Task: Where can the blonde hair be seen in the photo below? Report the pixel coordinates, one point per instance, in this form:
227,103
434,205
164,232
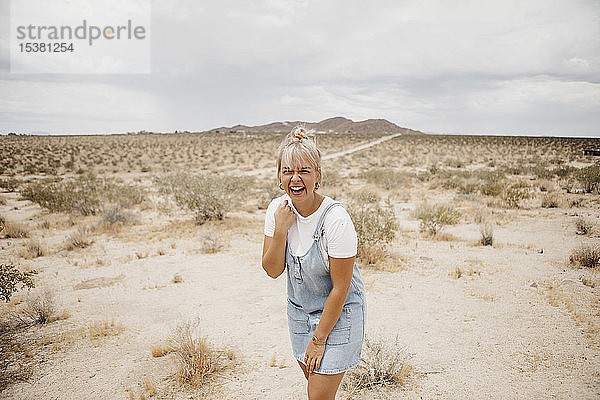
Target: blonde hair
298,144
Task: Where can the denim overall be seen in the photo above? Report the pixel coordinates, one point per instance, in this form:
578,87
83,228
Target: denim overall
308,286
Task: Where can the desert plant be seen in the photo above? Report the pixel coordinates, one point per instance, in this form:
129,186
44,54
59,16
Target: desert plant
551,200
2,222
586,255
383,362
375,227
487,234
385,178
10,184
514,193
15,230
40,307
435,217
212,241
79,239
11,280
210,197
197,360
584,226
589,178
2,201
34,248
116,215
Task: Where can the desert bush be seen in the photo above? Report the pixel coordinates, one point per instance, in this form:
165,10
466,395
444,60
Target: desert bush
15,230
81,238
491,187
383,363
584,226
513,193
34,248
116,215
551,200
385,178
589,178
10,184
375,227
210,197
212,241
11,280
2,222
586,255
86,195
2,201
197,360
267,192
332,178
487,234
40,308
435,217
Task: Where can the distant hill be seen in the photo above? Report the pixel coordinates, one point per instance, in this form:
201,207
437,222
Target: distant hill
330,125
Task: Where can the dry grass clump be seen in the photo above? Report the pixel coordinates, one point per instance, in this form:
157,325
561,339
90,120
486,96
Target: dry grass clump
209,196
586,255
98,329
383,363
197,360
2,201
514,193
435,217
551,200
212,241
589,178
81,238
486,230
161,349
584,226
386,178
116,217
2,222
34,249
15,230
375,226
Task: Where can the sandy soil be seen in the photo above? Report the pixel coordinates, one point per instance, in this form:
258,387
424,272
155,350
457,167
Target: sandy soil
519,322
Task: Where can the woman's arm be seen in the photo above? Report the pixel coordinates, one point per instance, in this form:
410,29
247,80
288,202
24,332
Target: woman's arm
340,270
273,254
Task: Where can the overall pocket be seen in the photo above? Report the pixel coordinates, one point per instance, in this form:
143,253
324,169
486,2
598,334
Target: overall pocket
297,319
340,334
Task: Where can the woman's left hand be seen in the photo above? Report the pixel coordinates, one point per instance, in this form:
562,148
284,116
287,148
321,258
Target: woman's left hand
313,357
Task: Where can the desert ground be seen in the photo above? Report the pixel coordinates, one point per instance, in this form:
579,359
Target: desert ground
480,257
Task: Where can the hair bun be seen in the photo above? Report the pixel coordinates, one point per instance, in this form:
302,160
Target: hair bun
299,132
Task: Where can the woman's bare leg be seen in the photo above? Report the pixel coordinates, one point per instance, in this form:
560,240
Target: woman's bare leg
323,387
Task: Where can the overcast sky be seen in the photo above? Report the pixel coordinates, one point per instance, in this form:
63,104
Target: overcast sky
460,67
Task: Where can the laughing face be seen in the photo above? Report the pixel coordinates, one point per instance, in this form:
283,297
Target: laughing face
299,181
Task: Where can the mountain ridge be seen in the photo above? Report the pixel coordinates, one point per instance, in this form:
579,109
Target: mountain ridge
329,125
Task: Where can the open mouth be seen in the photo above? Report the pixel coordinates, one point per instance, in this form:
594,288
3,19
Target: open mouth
297,190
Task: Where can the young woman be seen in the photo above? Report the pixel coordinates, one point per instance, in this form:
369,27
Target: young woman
312,238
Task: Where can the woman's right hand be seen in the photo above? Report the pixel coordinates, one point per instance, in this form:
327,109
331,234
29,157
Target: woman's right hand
284,217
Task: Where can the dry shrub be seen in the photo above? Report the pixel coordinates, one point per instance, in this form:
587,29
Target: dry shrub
86,195
515,192
589,178
40,308
385,178
209,196
198,361
375,227
383,363
584,226
213,241
15,230
586,255
435,217
486,230
81,238
267,192
161,349
116,216
34,249
2,221
2,201
551,200
98,329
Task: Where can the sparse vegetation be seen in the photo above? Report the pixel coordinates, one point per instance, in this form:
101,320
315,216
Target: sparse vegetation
551,200
486,230
584,226
434,217
589,178
15,230
198,361
375,227
212,241
34,248
81,238
383,363
586,255
11,280
210,197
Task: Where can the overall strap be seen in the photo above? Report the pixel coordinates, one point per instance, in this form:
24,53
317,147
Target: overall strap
319,230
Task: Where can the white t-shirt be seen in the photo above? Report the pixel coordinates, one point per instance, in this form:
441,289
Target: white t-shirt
339,240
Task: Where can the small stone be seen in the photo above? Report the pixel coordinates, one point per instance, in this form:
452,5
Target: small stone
534,285
541,251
